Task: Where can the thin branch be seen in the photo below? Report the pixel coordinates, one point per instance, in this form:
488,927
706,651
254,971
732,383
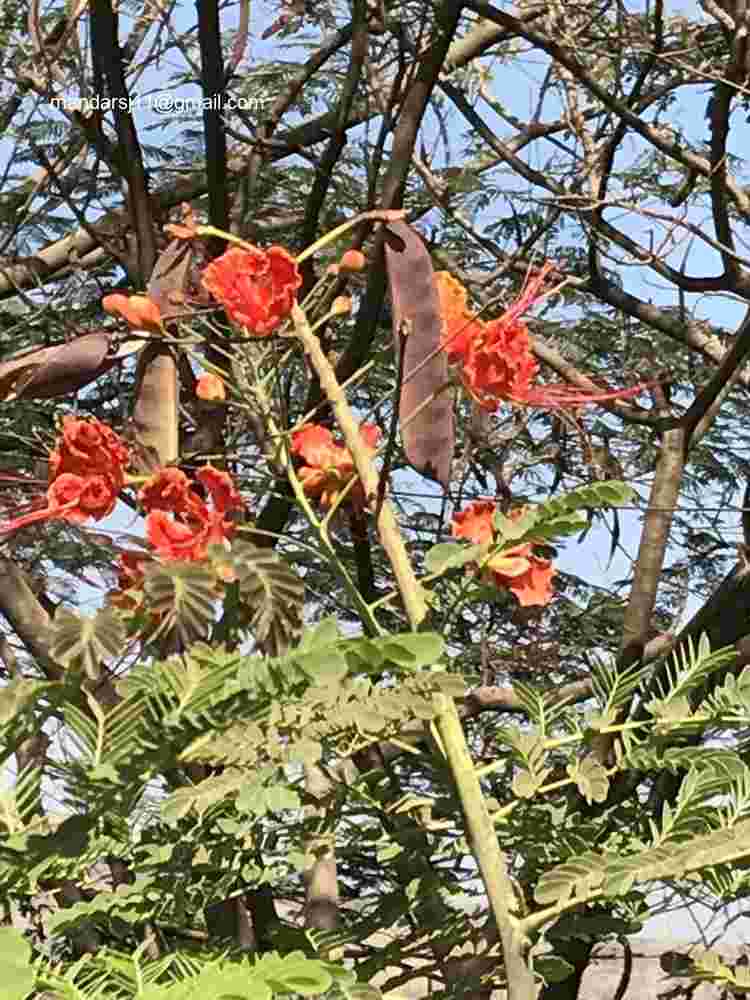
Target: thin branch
214,136
108,59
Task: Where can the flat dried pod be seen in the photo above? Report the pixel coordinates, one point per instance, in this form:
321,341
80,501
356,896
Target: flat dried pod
44,372
156,413
426,427
170,277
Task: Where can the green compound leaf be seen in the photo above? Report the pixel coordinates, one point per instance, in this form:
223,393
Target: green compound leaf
184,595
77,641
271,591
15,961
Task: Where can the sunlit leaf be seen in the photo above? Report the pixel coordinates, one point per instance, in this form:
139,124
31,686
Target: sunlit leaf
552,968
183,595
86,642
15,961
451,555
591,778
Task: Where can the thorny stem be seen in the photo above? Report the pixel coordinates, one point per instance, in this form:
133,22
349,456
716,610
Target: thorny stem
486,850
412,592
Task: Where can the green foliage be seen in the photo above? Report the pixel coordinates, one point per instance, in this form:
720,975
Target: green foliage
270,589
613,688
86,643
195,790
530,753
591,779
689,669
17,804
554,519
552,968
183,595
15,961
450,555
181,977
561,516
253,725
705,966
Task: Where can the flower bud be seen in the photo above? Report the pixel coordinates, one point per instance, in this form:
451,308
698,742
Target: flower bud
210,387
353,260
139,311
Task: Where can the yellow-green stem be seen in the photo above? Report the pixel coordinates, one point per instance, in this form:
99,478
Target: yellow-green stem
486,850
412,593
320,526
377,215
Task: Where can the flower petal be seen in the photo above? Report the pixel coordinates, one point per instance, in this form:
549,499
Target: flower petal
256,287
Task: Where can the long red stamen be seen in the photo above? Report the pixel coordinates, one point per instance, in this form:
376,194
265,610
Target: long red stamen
559,395
46,514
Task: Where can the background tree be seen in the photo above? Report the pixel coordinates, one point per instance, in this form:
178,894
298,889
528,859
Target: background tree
622,165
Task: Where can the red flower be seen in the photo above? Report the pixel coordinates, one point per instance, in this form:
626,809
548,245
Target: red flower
131,570
86,473
130,574
129,597
499,364
460,326
328,467
89,447
82,497
174,539
169,492
496,358
139,311
256,287
517,568
170,489
221,489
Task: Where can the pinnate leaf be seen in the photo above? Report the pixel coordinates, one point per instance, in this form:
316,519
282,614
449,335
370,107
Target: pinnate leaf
591,778
15,961
272,590
184,595
86,642
451,555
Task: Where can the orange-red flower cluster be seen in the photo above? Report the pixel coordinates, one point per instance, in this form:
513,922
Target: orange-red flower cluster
86,473
256,287
328,467
526,575
495,358
169,495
